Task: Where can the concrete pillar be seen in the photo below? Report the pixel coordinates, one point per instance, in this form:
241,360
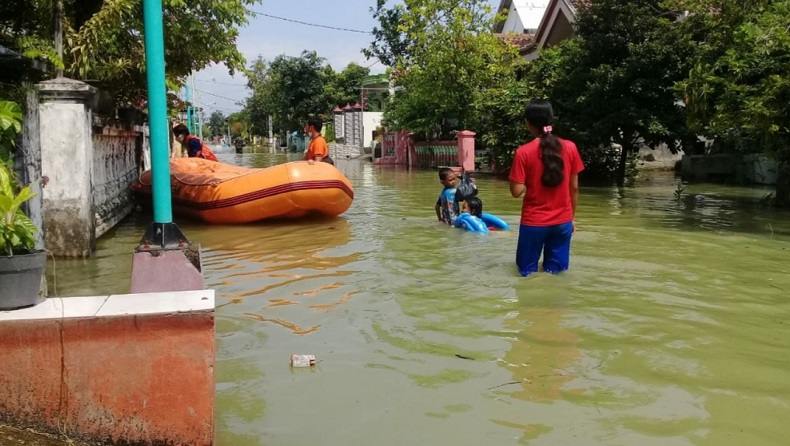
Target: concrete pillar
337,114
466,150
357,125
29,159
67,162
347,124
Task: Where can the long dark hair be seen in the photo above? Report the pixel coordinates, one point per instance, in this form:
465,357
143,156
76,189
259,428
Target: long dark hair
540,114
475,206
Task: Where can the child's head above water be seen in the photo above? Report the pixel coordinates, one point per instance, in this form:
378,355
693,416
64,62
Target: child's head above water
447,177
474,206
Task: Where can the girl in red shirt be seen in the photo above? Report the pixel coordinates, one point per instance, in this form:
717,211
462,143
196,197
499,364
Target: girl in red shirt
546,172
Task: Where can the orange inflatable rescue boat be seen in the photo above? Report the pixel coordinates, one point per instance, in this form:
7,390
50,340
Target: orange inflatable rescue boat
220,193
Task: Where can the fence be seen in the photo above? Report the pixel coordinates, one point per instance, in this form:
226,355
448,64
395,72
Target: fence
432,154
398,148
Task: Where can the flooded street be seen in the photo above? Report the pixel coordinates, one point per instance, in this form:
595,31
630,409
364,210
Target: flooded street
670,329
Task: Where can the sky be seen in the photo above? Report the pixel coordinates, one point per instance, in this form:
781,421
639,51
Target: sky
270,37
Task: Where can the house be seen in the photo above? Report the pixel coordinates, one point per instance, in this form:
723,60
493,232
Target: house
532,25
521,24
523,16
376,91
555,26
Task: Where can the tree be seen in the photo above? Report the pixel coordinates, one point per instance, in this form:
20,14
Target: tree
452,60
738,91
290,89
390,43
238,123
614,82
104,39
344,87
257,106
216,123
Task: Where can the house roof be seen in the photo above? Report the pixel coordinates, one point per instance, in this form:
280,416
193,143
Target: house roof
529,12
520,41
555,7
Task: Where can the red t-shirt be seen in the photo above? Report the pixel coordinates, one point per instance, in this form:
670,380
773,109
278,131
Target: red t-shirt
544,206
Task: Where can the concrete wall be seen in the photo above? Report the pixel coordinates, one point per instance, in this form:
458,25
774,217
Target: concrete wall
129,369
67,161
87,164
337,120
116,154
370,121
348,127
28,164
343,151
729,167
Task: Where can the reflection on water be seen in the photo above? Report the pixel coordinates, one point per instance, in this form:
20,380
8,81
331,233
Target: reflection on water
670,328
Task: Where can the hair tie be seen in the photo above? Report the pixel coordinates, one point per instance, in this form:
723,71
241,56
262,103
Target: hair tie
547,129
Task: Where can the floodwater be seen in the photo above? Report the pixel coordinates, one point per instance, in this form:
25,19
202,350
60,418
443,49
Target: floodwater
670,329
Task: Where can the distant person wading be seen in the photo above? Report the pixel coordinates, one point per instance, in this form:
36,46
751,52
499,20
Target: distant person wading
546,172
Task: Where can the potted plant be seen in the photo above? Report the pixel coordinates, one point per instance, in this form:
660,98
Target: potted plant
21,265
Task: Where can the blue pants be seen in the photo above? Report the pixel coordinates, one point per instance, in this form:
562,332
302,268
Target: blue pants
553,241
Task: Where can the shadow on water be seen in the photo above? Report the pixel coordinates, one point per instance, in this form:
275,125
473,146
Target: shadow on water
700,207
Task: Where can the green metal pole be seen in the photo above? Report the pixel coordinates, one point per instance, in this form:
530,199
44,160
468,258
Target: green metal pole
157,110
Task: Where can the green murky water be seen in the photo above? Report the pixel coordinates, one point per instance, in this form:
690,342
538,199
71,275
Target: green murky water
670,329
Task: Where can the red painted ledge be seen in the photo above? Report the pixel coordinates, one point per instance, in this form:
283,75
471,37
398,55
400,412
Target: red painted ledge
133,369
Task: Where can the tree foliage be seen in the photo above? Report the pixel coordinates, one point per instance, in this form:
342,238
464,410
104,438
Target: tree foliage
104,39
290,89
452,62
344,87
216,123
614,82
738,91
390,42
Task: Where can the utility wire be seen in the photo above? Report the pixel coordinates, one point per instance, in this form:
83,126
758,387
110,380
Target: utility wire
218,96
221,83
311,24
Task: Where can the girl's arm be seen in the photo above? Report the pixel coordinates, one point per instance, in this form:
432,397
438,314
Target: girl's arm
574,186
517,189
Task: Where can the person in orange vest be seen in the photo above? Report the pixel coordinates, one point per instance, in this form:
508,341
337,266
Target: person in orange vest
318,150
195,147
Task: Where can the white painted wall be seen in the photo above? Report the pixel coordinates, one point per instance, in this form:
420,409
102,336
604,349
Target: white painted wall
513,23
370,121
524,15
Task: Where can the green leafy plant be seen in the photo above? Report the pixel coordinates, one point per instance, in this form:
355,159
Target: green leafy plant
10,127
17,231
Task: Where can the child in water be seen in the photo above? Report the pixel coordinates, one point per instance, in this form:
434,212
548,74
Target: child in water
474,206
446,210
471,216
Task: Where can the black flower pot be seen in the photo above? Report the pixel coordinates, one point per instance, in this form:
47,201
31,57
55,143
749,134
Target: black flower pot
20,279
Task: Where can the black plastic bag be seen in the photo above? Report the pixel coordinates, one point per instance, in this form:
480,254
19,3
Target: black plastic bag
466,189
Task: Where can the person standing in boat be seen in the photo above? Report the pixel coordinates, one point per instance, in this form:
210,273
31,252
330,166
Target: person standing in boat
546,172
318,150
195,147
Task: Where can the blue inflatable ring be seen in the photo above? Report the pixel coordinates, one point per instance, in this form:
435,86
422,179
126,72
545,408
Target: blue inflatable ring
492,221
475,224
